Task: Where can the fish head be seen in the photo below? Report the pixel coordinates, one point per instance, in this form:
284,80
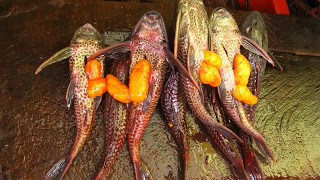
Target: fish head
222,21
86,32
254,28
151,27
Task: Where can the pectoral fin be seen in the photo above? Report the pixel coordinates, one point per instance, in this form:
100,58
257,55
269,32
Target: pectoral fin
180,66
177,34
190,64
70,92
277,64
58,56
97,101
253,47
112,50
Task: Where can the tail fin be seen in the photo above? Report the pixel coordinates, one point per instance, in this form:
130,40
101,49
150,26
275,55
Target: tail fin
261,144
59,168
141,170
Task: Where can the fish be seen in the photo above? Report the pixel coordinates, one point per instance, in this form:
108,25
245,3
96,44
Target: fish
191,38
148,41
115,117
253,27
220,142
174,109
226,40
85,42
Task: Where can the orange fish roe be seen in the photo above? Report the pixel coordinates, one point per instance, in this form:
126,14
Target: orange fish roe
93,69
206,73
209,73
212,58
241,69
117,89
139,81
97,86
217,79
242,93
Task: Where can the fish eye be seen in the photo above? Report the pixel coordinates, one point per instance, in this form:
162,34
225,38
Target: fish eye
249,29
255,22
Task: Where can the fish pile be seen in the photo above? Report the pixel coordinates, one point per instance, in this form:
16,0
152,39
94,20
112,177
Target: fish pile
206,72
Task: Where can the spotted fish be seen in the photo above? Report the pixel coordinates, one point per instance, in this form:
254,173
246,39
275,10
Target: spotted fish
225,41
148,41
253,27
115,117
85,42
174,109
220,142
191,38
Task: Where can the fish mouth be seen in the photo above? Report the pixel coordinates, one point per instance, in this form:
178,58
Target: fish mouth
221,12
87,31
152,21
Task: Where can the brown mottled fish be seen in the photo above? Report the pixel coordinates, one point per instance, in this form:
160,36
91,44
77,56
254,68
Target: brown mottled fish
225,41
174,109
253,27
148,41
191,38
85,42
220,142
115,116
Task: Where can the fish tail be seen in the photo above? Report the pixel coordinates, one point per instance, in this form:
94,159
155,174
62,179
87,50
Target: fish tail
251,165
59,168
141,170
262,145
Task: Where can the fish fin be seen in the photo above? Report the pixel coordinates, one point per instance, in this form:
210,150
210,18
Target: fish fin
122,47
190,63
251,164
59,168
58,56
176,37
263,147
70,92
180,66
253,47
226,132
142,171
97,101
277,64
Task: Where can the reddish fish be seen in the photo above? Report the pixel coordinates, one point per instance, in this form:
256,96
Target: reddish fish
149,41
174,109
86,41
220,142
115,116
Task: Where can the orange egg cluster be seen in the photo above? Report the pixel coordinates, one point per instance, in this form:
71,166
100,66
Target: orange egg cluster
138,84
209,73
241,70
117,89
139,81
97,85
